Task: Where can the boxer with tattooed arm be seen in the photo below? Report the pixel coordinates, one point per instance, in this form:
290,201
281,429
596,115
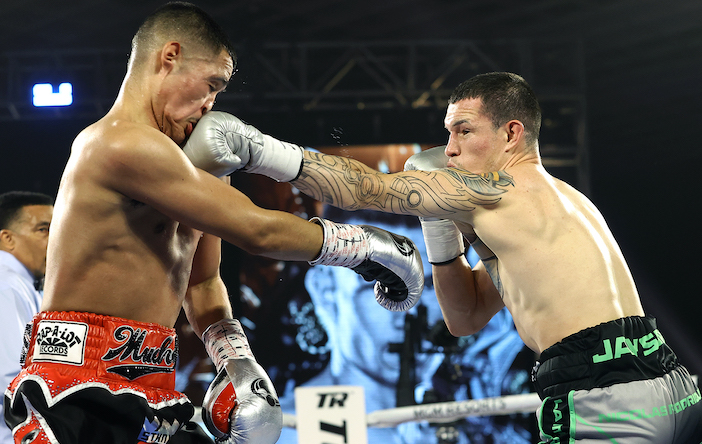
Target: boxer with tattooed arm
604,371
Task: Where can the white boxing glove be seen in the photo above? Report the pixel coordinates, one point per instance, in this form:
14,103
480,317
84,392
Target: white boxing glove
259,153
443,239
210,146
241,405
392,260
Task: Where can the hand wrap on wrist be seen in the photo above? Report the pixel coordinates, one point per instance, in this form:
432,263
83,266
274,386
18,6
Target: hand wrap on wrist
443,239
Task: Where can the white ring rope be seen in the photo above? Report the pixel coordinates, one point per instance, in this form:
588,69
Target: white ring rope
440,411
445,411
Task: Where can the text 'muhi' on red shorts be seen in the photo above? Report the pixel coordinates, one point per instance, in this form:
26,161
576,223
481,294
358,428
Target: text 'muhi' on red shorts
95,378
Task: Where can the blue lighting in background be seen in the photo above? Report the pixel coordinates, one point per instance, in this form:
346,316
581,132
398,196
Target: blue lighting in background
43,94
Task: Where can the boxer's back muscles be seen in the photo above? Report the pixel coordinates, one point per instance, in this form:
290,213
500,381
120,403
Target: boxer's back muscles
557,261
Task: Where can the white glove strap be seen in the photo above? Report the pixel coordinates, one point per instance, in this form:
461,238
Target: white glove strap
279,160
444,241
226,340
344,245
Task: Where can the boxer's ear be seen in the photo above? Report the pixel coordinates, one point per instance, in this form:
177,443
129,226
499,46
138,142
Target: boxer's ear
514,133
171,54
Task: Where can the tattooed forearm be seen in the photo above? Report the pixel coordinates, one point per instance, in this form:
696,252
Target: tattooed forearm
331,179
349,184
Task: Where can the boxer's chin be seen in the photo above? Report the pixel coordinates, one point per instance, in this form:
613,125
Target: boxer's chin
187,131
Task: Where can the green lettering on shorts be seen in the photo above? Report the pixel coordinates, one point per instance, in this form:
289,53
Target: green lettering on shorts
562,429
664,410
644,345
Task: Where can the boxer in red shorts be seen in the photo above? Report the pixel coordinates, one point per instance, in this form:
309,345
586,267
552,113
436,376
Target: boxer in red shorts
124,369
136,237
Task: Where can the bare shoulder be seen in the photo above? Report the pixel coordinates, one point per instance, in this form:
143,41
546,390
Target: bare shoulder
121,143
128,156
495,189
530,181
488,186
517,195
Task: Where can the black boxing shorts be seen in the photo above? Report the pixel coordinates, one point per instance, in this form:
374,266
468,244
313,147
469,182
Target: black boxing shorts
88,378
616,382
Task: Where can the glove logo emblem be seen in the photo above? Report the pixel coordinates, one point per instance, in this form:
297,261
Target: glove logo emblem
260,388
404,247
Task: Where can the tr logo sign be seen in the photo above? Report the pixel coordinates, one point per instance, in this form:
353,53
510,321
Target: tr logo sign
331,415
332,399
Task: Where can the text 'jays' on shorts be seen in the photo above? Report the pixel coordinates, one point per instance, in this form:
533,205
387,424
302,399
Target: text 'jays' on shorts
618,382
89,378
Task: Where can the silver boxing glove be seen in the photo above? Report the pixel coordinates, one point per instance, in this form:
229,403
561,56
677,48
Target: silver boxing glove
428,160
212,146
230,138
376,254
443,240
241,405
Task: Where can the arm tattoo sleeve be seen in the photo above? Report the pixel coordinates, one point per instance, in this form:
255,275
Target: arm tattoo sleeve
349,184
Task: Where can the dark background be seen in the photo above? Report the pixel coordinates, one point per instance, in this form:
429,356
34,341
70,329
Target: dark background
641,67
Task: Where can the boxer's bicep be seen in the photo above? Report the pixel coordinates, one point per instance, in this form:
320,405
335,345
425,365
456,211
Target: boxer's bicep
152,170
488,287
158,174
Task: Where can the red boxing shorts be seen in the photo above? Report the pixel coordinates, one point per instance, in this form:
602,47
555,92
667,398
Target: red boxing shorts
93,378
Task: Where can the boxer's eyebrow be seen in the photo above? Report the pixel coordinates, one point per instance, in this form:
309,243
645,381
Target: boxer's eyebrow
457,123
221,82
